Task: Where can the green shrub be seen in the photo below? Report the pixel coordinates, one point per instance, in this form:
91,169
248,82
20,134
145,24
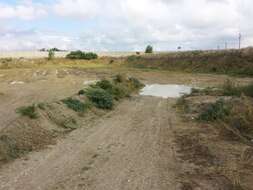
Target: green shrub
81,92
29,111
215,111
81,55
100,97
117,90
42,106
104,84
76,105
120,78
135,83
120,91
149,49
51,54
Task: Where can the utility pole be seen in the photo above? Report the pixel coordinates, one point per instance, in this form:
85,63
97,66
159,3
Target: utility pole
226,45
240,38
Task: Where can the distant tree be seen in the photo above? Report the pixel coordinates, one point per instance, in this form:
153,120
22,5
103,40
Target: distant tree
149,49
43,49
51,54
81,55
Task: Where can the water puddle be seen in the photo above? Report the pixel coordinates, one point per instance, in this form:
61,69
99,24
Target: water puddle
165,91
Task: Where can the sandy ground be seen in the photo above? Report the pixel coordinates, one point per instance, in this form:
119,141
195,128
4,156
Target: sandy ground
133,147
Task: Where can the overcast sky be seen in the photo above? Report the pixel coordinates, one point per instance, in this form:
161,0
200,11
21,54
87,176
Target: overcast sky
123,25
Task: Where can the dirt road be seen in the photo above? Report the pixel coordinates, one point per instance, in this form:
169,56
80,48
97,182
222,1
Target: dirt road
129,148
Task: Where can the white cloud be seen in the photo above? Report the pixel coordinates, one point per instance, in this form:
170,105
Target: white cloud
12,39
77,8
132,24
25,11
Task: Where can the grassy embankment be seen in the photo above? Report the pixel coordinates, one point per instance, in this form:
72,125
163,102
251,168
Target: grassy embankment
234,62
230,108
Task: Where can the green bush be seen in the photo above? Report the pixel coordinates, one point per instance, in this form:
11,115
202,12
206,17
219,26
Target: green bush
100,97
215,111
120,91
149,49
76,105
81,92
42,106
117,90
81,55
29,111
119,78
105,84
51,54
135,83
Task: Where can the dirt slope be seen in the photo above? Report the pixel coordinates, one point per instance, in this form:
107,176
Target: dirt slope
130,148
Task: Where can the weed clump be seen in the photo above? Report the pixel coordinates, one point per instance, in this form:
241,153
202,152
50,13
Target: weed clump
229,89
76,105
215,111
29,111
81,55
104,84
182,105
81,92
100,97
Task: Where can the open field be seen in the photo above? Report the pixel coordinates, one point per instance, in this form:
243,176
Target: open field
39,54
144,142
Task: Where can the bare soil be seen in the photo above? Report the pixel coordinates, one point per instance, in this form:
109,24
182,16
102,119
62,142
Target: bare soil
142,144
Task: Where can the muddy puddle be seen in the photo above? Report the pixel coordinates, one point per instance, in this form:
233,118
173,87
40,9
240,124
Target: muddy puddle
165,91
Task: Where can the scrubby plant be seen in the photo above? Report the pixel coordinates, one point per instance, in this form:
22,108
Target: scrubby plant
215,111
81,92
229,89
132,58
120,91
149,49
76,105
182,104
81,55
135,83
100,97
42,106
29,111
51,54
104,84
247,90
119,78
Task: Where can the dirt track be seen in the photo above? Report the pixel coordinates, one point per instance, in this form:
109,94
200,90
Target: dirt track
142,144
130,148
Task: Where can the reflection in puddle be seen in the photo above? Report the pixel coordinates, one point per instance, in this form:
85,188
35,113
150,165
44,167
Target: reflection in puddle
165,91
